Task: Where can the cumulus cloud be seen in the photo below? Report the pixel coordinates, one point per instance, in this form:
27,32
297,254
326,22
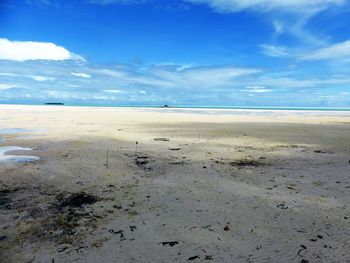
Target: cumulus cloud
28,50
274,51
81,75
337,51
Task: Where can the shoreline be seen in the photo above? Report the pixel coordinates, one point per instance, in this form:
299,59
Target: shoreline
183,107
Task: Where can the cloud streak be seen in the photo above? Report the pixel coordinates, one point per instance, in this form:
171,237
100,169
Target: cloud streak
299,6
336,51
274,51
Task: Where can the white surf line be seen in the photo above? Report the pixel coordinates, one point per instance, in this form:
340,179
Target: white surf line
16,158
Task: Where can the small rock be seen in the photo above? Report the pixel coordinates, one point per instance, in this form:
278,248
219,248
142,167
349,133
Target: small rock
208,257
282,206
161,139
169,243
193,258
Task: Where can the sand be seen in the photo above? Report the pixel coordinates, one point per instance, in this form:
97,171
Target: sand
198,186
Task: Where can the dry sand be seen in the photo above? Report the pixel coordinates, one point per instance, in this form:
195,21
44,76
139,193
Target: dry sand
215,185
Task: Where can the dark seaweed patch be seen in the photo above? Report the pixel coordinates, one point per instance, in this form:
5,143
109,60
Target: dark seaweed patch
76,199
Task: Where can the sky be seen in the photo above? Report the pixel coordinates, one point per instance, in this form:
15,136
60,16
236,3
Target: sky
290,53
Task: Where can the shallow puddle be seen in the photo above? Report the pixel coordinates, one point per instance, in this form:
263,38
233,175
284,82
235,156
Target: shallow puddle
14,130
16,158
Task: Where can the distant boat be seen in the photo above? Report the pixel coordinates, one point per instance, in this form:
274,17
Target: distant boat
165,106
54,103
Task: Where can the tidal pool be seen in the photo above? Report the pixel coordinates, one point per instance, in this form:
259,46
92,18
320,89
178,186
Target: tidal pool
16,158
14,130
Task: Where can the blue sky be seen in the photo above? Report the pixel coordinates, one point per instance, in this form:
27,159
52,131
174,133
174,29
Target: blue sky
176,52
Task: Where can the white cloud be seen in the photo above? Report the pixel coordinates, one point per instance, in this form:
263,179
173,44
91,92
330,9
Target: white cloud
81,75
28,50
301,6
113,91
337,51
41,78
286,16
7,86
106,2
278,26
274,51
202,77
256,89
34,77
286,82
33,2
6,74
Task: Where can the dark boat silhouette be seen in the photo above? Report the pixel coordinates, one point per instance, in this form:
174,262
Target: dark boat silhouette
54,103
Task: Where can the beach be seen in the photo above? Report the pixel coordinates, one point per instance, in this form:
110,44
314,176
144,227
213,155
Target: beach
174,185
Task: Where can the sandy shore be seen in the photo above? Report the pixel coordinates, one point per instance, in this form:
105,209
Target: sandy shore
199,186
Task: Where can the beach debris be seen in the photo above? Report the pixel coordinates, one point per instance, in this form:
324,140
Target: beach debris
304,261
282,206
302,248
193,258
208,227
107,159
132,228
169,243
208,257
321,151
61,249
119,232
227,227
161,139
177,162
141,160
76,199
136,144
174,149
246,162
2,238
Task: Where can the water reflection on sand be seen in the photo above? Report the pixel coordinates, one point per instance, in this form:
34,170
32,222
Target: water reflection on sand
16,158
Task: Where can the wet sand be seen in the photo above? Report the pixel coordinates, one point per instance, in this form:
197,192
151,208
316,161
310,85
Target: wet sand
198,186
